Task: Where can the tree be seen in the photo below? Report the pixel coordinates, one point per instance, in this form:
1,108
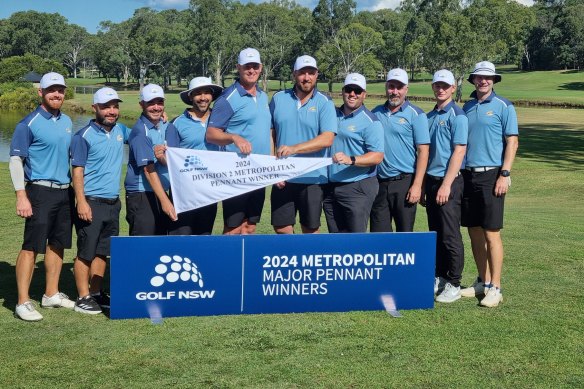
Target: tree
13,68
77,42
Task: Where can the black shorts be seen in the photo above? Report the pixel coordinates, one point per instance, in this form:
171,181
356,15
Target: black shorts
93,238
347,205
51,219
306,199
198,221
144,214
480,206
246,206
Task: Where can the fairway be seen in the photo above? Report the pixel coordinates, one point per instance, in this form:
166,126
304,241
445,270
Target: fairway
534,339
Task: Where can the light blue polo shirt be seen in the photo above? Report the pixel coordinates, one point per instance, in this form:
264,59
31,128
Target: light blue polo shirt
448,128
359,132
403,131
295,123
238,112
143,137
489,122
43,141
100,153
191,133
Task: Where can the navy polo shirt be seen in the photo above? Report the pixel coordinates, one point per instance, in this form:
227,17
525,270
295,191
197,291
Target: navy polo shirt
403,131
143,137
448,128
489,122
100,153
295,123
359,132
191,133
238,112
43,141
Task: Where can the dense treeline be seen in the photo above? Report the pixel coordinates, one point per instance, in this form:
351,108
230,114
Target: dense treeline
205,39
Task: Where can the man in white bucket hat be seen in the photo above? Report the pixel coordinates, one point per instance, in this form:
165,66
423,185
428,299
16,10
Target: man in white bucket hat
492,145
190,128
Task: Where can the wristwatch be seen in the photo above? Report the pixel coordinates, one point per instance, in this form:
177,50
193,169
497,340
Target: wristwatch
352,161
505,173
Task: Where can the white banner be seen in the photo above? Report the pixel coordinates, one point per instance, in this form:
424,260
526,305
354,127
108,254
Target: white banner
199,178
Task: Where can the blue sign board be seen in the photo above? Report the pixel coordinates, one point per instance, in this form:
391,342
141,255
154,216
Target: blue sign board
164,276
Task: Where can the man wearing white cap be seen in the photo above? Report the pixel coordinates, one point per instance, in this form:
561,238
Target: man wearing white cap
241,122
304,123
39,167
444,185
401,174
492,145
148,207
96,156
190,128
357,150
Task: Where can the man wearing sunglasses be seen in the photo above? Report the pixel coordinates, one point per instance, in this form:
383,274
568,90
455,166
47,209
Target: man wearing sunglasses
357,150
400,175
241,121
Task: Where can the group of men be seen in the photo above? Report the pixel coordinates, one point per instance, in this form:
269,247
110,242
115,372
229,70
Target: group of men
454,161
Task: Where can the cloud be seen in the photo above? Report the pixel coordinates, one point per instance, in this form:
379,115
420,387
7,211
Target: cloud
376,5
167,4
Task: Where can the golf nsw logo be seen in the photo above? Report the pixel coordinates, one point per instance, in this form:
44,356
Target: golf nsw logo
192,163
179,274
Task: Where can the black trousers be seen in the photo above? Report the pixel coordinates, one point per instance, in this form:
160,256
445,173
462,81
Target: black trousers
391,205
445,220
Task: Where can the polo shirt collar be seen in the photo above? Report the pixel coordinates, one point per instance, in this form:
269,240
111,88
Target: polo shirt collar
352,114
97,127
46,114
292,92
488,99
148,123
445,109
401,107
241,89
195,119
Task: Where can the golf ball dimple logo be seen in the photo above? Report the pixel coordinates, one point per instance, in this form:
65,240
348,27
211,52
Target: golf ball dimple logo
192,160
175,268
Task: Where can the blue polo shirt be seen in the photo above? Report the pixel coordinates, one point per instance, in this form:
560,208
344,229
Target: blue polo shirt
448,128
143,137
43,141
489,122
190,132
403,131
295,123
359,132
238,112
100,153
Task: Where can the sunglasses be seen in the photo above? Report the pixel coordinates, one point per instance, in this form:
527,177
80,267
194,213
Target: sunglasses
356,89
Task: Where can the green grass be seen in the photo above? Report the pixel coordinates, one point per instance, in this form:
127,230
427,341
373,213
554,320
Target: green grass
534,339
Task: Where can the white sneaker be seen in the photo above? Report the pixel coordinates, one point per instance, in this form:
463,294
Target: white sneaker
492,298
57,300
476,289
439,283
450,294
27,312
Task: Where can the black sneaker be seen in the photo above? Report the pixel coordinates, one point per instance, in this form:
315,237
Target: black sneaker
88,305
102,299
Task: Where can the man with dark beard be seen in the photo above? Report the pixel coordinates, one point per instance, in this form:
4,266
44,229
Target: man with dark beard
407,145
96,157
303,122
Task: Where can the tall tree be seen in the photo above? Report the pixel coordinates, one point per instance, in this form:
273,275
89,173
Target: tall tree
77,41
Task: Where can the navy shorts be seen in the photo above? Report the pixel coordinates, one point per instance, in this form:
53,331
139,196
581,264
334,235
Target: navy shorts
480,206
93,238
247,206
51,219
144,214
306,199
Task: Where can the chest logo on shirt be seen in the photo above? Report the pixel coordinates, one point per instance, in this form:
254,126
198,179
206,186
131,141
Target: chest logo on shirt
402,121
68,130
351,128
119,138
442,123
490,113
312,109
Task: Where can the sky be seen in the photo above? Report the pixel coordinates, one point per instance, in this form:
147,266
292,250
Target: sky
89,13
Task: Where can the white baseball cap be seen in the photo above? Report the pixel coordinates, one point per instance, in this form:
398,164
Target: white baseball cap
398,75
51,79
356,79
151,92
249,55
444,75
485,68
198,83
305,61
105,95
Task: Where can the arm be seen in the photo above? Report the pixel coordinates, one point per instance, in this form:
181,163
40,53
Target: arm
415,191
83,208
219,137
453,169
315,144
503,183
154,181
371,158
23,207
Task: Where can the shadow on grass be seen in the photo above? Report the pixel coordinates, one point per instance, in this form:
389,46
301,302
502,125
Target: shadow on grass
572,86
558,145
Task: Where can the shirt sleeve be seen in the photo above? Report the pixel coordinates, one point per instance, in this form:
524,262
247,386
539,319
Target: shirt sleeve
328,118
460,130
374,137
142,148
421,130
21,140
79,150
221,114
510,127
172,137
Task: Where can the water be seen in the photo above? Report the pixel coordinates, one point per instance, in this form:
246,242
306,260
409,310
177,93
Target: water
9,120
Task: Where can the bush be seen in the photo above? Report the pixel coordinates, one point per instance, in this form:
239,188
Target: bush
19,99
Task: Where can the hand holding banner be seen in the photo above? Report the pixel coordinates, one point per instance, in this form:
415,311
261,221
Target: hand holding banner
199,178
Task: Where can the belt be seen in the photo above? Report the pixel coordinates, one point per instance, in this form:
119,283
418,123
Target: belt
481,168
103,200
396,178
440,178
50,184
